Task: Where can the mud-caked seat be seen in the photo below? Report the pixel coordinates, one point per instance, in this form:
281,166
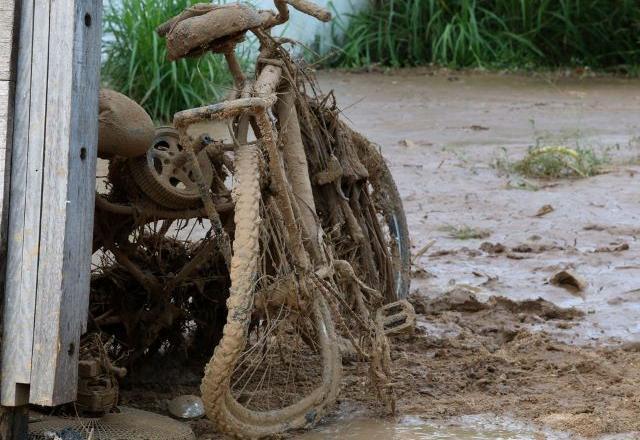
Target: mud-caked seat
205,27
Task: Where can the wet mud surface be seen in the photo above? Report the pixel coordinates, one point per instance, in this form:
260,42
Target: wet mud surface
442,135
495,335
500,351
473,357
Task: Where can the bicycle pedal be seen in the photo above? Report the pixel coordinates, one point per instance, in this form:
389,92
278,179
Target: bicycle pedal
396,318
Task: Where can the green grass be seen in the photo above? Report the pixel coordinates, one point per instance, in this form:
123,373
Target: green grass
465,232
555,155
135,62
491,33
553,162
560,162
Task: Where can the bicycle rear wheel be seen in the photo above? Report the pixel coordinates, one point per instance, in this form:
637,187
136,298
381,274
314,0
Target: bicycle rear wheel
385,217
358,201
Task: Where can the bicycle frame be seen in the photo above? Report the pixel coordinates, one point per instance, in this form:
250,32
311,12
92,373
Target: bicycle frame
288,165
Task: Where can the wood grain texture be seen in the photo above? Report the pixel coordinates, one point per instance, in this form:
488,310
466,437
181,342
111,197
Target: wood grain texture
67,199
7,26
26,190
7,89
16,354
52,197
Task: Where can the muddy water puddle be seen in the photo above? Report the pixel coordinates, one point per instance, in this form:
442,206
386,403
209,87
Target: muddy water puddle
475,427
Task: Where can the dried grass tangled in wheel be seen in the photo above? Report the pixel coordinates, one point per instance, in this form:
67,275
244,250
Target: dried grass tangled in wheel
365,225
357,199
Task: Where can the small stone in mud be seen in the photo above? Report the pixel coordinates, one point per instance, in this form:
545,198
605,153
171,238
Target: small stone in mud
594,227
613,248
460,299
443,252
544,210
470,252
407,143
523,248
535,248
421,273
186,407
569,280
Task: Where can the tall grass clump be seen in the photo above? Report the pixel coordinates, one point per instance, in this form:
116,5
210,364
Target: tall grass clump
135,60
491,33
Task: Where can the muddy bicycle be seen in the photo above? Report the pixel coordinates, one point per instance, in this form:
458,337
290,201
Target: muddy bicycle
263,226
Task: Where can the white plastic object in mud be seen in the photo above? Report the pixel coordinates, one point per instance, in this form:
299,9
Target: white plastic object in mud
128,424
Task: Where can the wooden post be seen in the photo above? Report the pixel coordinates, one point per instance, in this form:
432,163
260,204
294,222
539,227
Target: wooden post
55,133
13,421
68,199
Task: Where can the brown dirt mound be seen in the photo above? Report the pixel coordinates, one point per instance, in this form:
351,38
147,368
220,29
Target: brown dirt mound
493,362
461,299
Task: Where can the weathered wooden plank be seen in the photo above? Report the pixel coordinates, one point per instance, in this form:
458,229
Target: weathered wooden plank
7,89
13,421
8,16
19,305
38,114
6,128
7,20
67,199
5,136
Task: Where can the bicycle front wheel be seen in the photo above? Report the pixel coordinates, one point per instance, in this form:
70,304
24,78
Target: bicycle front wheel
277,366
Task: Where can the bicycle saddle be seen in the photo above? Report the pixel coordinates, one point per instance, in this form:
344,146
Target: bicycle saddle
205,27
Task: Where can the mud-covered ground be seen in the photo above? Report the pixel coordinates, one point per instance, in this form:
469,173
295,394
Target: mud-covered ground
495,338
568,360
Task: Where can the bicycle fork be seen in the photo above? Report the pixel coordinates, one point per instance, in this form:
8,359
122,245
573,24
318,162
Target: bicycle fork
289,167
289,170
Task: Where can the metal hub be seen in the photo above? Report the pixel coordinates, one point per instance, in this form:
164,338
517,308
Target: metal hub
165,176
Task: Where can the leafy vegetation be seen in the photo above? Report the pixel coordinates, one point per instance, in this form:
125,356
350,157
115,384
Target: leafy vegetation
135,61
491,33
557,162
